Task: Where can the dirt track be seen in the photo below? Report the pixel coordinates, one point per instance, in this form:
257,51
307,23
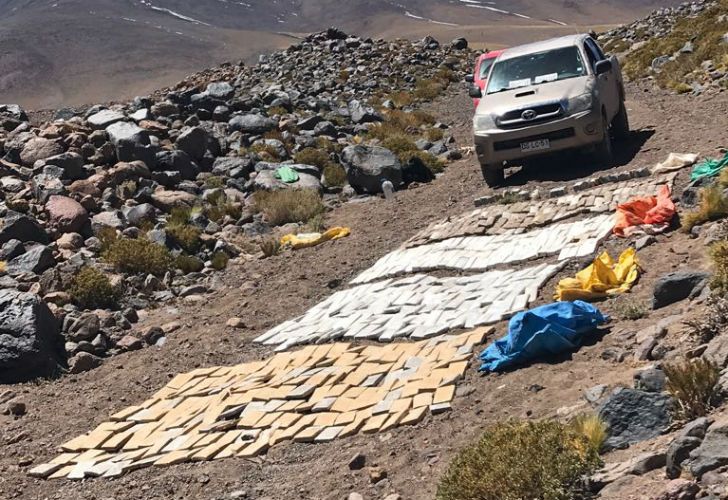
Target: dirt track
266,292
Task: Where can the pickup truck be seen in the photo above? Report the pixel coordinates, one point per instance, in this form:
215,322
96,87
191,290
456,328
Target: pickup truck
546,97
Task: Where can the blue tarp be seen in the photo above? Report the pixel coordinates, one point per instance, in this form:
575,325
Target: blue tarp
549,329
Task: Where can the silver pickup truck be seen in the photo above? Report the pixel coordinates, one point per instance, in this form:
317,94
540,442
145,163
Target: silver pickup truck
545,97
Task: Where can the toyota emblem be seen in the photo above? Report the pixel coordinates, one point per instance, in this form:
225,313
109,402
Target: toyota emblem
529,114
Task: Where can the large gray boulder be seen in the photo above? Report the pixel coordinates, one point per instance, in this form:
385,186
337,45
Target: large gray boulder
193,142
16,226
39,148
368,166
30,340
252,124
712,452
104,118
220,90
35,260
71,164
633,416
676,286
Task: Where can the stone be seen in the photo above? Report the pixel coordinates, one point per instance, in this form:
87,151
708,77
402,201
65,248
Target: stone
676,286
39,148
367,166
717,351
595,393
84,327
30,342
235,323
177,161
126,131
650,380
643,352
65,214
358,461
151,334
104,118
636,466
15,408
712,452
83,362
376,474
167,200
193,142
644,242
362,114
679,489
459,43
130,343
354,496
251,124
140,213
11,249
35,260
220,90
679,451
20,227
70,163
633,416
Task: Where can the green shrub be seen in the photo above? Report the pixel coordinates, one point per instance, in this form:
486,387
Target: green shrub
694,385
107,236
186,236
432,162
288,205
179,216
139,256
335,175
91,289
214,182
189,264
399,144
713,206
631,310
520,460
220,260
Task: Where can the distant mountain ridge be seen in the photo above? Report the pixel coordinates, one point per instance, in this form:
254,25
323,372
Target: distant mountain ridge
66,52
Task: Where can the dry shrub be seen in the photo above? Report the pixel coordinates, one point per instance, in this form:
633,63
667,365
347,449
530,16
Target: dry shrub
91,289
694,385
313,156
219,260
288,205
139,256
401,98
189,264
430,161
713,206
265,151
631,309
276,110
434,134
520,460
712,322
718,252
214,182
270,247
399,144
427,90
335,175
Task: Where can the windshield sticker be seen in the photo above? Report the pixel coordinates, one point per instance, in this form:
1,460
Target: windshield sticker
514,84
551,77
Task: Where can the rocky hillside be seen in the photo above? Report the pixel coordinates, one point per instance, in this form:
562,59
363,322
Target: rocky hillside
118,208
683,48
56,53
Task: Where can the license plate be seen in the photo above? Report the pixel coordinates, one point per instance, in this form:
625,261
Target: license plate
538,145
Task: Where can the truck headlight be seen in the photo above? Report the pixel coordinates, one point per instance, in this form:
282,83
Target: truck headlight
483,122
580,103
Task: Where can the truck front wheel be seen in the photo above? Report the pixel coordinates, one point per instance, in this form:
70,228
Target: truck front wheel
620,123
493,174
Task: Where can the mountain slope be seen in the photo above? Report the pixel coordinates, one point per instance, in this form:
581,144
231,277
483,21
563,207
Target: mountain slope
69,52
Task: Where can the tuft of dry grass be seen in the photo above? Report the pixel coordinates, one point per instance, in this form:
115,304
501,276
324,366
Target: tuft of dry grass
592,428
713,206
138,256
718,253
270,247
91,289
288,205
694,385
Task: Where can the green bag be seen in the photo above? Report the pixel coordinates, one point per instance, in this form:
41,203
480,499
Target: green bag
708,168
286,174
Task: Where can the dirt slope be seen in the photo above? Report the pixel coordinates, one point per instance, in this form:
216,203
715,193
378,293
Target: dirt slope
269,291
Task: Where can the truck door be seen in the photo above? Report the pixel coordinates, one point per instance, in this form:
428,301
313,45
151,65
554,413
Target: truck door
607,83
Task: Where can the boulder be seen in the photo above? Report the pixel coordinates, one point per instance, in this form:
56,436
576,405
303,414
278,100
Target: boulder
367,166
83,362
266,181
252,124
140,213
20,227
35,260
39,148
676,286
46,185
231,166
220,90
167,200
71,163
459,43
193,142
717,351
177,161
633,416
104,118
679,451
712,452
30,341
679,489
66,215
362,114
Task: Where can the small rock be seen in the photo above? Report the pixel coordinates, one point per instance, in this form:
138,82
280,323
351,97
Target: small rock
633,416
358,461
83,362
650,380
673,287
130,343
644,242
235,323
15,408
595,393
355,496
376,474
679,489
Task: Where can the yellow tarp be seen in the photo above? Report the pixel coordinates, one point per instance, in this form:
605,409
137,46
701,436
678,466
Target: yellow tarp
312,239
601,278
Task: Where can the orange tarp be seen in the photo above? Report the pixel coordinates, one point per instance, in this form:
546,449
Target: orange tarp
645,211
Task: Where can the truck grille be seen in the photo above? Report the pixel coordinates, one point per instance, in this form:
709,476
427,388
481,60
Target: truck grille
564,133
539,113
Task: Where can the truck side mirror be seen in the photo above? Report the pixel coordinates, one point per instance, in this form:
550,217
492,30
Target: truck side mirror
475,92
469,78
602,67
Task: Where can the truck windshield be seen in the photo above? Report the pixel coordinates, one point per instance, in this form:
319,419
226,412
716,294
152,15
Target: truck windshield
537,68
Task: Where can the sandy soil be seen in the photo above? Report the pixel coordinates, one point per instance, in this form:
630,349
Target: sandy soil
265,292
